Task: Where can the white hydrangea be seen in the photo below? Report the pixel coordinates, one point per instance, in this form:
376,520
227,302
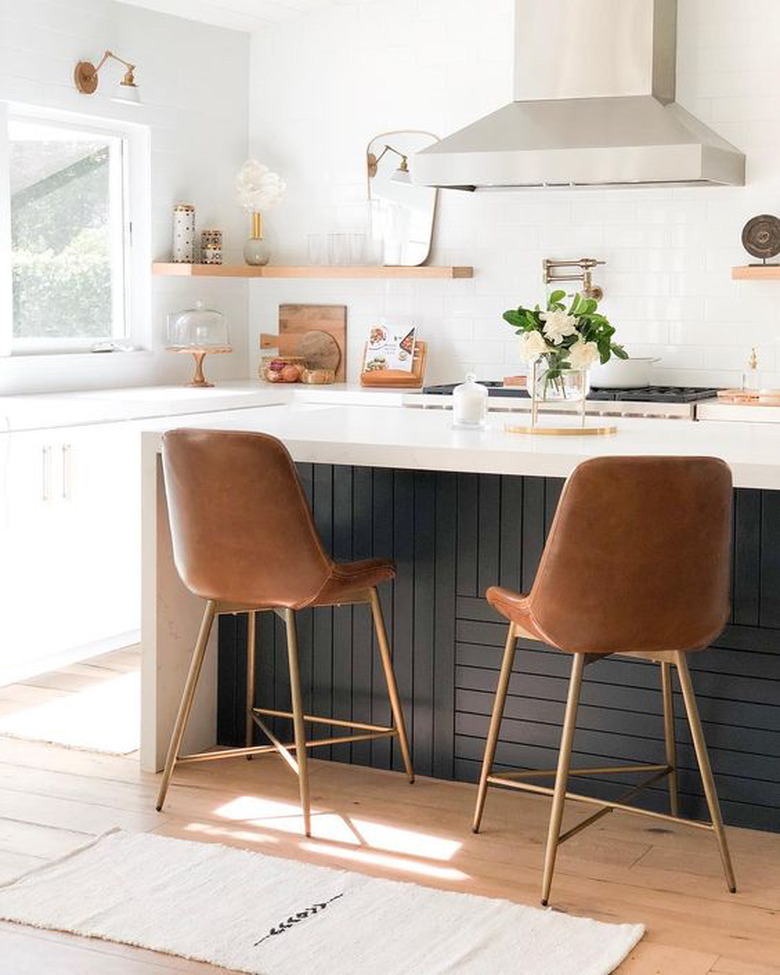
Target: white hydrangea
257,187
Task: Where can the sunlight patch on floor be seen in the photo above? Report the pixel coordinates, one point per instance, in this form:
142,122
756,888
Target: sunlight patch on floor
387,862
286,817
103,717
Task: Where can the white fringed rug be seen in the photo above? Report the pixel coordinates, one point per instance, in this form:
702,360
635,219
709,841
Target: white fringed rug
268,916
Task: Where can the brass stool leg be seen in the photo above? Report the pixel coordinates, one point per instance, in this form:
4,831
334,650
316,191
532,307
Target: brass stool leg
392,687
298,724
187,697
562,774
495,724
251,631
669,736
705,770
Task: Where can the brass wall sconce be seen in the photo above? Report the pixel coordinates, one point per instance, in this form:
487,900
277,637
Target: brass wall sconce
85,77
401,175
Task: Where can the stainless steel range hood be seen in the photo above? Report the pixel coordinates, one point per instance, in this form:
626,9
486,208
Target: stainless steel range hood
594,106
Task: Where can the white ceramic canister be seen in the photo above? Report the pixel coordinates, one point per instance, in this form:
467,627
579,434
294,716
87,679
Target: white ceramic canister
470,404
183,234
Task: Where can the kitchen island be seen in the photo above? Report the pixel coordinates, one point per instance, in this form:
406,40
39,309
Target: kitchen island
459,511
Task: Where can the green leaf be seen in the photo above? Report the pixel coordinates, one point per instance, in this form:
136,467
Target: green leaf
555,299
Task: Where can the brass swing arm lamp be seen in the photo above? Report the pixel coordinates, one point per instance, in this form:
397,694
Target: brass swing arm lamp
85,74
374,160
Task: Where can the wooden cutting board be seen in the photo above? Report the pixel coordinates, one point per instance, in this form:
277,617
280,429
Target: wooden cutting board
297,323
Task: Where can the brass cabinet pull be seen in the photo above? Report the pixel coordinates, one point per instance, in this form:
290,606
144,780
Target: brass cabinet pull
67,470
46,474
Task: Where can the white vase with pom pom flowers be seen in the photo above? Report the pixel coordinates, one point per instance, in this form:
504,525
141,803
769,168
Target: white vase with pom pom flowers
258,189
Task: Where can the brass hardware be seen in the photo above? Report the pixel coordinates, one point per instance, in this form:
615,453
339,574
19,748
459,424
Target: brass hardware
560,793
336,722
85,74
495,722
294,754
585,275
187,697
703,760
562,775
562,431
535,429
251,655
670,743
372,160
392,687
298,727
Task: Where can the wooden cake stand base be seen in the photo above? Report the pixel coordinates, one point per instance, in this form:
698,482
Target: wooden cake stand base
198,378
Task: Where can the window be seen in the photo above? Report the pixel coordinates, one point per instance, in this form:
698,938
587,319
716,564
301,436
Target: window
71,256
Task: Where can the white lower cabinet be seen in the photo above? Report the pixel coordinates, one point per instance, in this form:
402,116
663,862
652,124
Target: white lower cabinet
70,541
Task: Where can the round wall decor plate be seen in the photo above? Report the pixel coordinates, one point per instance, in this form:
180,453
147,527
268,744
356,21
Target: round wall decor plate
761,236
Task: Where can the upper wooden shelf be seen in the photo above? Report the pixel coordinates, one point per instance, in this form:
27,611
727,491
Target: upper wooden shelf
318,271
756,272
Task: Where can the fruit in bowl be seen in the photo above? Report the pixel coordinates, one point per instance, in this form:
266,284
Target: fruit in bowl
282,368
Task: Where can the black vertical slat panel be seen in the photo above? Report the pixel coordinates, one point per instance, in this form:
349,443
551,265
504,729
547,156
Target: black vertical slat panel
511,540
747,555
770,559
341,671
444,622
321,625
382,515
621,707
468,514
424,619
227,710
362,649
552,494
533,527
488,532
403,597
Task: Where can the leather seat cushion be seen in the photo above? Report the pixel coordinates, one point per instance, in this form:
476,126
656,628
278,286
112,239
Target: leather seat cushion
349,578
516,607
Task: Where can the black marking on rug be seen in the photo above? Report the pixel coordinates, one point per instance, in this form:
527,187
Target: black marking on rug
296,918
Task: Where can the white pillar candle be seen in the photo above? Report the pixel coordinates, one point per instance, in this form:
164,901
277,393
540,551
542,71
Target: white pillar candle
469,403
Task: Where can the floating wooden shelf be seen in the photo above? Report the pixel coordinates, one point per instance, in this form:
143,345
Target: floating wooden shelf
319,271
756,272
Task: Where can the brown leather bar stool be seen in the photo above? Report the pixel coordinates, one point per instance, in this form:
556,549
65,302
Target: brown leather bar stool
637,562
231,497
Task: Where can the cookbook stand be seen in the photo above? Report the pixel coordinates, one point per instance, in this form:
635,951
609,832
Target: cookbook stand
576,429
396,378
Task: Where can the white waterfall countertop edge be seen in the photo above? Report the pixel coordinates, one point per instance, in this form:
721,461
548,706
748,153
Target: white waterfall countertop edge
404,438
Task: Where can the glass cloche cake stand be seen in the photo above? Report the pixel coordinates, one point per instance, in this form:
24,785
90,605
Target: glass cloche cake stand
200,331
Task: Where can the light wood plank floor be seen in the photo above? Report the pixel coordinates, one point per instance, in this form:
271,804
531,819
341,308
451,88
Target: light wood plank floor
623,869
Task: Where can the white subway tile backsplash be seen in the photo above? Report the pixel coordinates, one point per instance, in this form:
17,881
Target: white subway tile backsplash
440,64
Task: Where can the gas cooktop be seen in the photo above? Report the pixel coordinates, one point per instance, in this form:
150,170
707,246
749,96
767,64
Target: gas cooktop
641,394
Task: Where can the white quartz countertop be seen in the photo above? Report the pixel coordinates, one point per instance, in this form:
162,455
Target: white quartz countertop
48,410
416,439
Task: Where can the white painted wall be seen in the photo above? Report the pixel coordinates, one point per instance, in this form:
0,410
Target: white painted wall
322,86
194,84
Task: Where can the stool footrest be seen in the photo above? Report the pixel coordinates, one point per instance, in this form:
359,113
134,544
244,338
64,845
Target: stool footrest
267,749
510,780
316,719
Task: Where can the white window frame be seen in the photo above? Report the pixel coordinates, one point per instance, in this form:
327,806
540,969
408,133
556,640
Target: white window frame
131,286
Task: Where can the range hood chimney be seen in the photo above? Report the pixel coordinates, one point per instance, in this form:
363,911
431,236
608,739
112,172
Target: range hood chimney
594,106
